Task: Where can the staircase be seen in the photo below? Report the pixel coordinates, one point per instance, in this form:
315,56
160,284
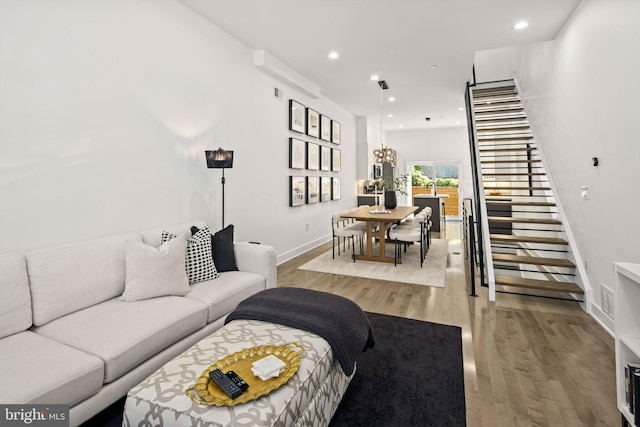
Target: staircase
529,250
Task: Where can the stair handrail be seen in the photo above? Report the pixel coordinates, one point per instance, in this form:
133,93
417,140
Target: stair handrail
484,248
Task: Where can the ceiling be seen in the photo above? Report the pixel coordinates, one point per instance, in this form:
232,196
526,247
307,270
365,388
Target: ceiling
423,49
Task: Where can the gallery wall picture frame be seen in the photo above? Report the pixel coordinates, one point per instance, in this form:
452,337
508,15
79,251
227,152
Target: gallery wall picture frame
325,128
313,156
297,153
325,188
335,188
297,190
313,189
325,158
297,117
336,132
336,160
313,123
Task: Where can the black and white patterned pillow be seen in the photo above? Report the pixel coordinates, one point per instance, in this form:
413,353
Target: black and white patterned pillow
198,260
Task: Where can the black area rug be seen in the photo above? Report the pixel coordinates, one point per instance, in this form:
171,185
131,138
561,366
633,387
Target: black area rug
412,377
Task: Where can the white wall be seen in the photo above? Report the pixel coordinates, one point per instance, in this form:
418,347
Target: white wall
581,93
106,109
442,144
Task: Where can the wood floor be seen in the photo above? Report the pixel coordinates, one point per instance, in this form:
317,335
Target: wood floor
528,361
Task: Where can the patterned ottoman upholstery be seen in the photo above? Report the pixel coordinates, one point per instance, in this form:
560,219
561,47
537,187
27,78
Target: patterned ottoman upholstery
309,398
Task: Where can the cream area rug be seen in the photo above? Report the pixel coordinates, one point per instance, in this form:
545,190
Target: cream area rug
432,272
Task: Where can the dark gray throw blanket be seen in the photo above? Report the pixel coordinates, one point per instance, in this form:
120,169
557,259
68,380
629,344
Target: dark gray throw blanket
338,320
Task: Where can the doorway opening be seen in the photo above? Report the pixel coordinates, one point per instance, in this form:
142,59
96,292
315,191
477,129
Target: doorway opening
438,178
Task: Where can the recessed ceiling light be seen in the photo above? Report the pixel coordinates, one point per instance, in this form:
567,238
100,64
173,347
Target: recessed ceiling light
521,25
401,126
458,122
334,55
461,109
433,67
390,115
374,77
391,99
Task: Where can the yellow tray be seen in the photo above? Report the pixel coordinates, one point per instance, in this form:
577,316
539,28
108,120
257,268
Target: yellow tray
208,393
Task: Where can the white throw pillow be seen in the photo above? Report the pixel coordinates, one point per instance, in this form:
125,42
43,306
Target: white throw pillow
154,272
199,262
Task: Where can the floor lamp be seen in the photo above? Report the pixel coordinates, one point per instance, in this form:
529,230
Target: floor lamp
220,159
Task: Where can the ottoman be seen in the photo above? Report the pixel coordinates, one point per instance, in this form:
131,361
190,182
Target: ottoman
309,398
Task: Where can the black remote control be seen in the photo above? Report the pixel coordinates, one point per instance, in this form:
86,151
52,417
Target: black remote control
225,383
237,380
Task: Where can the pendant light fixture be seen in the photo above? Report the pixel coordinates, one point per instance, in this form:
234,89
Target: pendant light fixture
383,154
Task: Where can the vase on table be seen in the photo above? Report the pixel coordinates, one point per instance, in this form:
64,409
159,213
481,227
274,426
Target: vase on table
390,201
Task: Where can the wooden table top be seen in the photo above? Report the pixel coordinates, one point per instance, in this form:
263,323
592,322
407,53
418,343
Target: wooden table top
397,214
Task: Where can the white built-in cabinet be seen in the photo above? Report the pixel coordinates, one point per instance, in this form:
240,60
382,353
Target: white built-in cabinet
627,329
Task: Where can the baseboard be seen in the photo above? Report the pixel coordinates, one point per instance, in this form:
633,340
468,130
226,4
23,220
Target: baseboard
605,321
289,255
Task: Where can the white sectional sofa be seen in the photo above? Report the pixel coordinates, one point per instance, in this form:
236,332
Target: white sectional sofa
66,337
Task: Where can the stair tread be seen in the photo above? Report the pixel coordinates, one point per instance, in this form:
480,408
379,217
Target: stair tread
518,203
545,285
516,188
510,161
528,239
487,150
557,262
503,137
514,174
524,220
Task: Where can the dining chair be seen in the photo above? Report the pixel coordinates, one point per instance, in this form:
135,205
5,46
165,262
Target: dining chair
345,229
409,233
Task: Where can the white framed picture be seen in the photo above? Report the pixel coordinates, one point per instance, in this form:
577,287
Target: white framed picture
325,188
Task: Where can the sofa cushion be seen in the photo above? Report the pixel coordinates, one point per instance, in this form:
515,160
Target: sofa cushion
222,250
223,294
68,278
154,272
125,334
15,299
36,369
153,237
199,261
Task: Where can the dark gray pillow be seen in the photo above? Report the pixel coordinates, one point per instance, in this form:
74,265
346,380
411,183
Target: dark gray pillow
222,250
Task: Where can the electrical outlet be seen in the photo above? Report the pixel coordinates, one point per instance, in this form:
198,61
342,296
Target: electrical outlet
607,300
586,265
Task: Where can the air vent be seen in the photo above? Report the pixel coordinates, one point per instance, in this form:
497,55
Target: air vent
277,93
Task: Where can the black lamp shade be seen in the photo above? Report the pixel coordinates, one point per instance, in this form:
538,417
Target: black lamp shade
219,159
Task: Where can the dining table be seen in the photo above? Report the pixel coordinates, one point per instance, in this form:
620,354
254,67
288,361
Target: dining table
384,218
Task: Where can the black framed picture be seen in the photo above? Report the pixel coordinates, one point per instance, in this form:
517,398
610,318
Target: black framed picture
313,156
325,158
325,128
297,153
335,189
297,190
325,188
313,189
297,117
336,132
313,123
336,160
